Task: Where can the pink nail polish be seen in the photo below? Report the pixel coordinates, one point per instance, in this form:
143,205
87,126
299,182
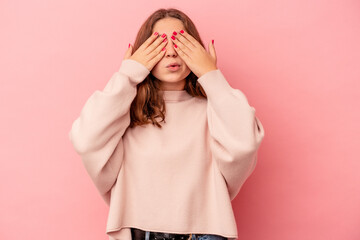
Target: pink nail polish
174,33
175,45
213,41
156,33
129,45
164,49
165,40
173,38
182,31
164,35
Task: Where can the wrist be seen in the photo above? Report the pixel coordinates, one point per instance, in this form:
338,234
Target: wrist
206,71
136,71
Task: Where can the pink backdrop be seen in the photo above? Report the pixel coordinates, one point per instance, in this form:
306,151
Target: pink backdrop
297,62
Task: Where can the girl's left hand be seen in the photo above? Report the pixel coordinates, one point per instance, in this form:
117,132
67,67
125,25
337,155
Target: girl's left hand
193,53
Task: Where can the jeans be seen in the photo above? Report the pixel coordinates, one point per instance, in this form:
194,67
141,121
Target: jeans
195,237
208,237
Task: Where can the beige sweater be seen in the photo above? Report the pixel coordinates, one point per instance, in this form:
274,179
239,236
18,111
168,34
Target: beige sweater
177,179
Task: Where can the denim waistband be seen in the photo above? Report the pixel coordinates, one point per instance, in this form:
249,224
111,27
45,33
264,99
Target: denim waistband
138,234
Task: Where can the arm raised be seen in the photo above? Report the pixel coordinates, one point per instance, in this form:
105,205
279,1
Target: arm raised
97,133
236,133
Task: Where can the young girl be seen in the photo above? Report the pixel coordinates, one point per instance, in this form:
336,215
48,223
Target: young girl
168,142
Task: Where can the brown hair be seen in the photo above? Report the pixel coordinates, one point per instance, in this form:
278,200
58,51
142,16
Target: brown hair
148,103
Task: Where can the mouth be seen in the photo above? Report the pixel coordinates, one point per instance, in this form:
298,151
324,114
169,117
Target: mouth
172,65
173,68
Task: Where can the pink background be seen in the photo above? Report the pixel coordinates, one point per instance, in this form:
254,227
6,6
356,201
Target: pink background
296,61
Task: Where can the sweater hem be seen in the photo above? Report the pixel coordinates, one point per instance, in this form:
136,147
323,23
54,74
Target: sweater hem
167,231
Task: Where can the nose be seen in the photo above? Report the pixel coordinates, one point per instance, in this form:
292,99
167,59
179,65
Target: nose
170,51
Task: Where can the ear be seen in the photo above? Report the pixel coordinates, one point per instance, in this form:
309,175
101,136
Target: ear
128,52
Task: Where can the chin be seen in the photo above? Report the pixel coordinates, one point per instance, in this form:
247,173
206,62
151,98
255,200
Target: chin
171,79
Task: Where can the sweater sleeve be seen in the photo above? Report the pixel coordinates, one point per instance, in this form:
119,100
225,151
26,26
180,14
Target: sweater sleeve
235,131
96,134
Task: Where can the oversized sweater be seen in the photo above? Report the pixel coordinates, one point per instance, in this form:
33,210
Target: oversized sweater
177,179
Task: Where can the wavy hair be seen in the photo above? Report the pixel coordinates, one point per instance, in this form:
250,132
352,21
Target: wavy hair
148,103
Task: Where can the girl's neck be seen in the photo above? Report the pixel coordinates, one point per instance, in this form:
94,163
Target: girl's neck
172,86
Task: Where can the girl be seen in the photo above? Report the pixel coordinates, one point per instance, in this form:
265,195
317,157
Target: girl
168,142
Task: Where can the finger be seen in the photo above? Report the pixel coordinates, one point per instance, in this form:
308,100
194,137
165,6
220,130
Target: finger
177,36
149,41
155,44
158,57
188,37
158,49
212,50
181,47
128,52
181,53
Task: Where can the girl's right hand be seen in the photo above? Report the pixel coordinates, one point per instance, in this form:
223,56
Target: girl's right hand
150,52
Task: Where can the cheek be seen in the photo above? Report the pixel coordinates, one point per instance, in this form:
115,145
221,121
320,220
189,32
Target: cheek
159,66
155,71
186,69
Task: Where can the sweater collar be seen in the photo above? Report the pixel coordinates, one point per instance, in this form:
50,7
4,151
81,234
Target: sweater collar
175,95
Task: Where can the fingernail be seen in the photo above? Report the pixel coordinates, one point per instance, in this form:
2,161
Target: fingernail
164,49
213,41
129,45
182,31
156,33
165,40
174,33
173,38
175,45
164,35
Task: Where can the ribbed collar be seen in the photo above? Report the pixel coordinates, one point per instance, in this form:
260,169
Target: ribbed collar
176,95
